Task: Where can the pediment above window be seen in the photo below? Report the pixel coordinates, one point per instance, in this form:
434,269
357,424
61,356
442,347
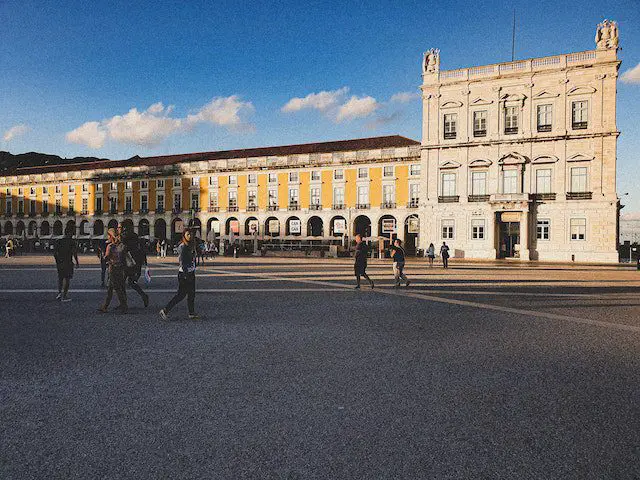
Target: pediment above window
545,159
581,90
480,162
513,158
513,97
481,101
580,157
451,104
448,164
545,94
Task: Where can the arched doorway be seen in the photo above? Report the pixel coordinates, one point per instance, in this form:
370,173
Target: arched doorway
388,226
315,227
98,228
45,229
8,228
32,229
143,228
70,227
160,229
196,224
362,226
232,226
411,231
293,226
113,223
213,228
84,228
251,226
177,227
57,227
272,227
338,226
20,228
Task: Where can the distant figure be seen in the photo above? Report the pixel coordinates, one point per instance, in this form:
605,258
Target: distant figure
398,255
360,261
101,251
444,253
431,253
158,249
115,256
65,251
9,247
186,277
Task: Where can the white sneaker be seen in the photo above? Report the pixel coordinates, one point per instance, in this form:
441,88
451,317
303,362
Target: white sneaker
59,296
66,299
164,315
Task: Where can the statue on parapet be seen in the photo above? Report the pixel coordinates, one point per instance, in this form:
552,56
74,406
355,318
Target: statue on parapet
607,35
431,61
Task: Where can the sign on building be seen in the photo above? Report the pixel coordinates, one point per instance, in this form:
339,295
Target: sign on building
339,225
295,227
413,225
388,225
179,226
253,226
234,226
274,227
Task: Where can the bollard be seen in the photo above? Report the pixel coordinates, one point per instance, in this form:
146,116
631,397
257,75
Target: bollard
573,258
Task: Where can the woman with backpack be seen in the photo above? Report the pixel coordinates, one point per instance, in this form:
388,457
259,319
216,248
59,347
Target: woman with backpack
186,277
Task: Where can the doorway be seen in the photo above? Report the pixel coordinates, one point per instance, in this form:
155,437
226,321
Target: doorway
509,239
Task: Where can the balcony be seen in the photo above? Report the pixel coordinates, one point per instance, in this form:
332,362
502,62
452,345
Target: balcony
96,213
195,209
387,205
479,133
315,206
449,135
543,197
113,211
20,214
176,211
71,213
579,195
160,210
478,198
511,130
362,206
579,125
128,211
214,209
143,211
252,208
448,199
338,206
232,208
32,213
272,208
8,214
84,212
544,128
293,206
413,203
44,214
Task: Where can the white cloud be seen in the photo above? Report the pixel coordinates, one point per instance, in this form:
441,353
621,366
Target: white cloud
322,101
15,132
90,134
153,125
632,75
382,121
404,97
357,108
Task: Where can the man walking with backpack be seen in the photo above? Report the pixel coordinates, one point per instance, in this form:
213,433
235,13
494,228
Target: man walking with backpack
398,256
132,272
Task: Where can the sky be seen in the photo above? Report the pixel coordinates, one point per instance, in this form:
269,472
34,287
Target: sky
114,79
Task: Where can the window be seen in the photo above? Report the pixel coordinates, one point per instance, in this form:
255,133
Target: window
578,228
579,115
363,172
543,181
542,229
293,176
388,194
128,204
45,190
58,206
448,184
273,178
8,191
387,172
159,183
450,120
20,206
195,201
85,206
177,202
315,175
144,184
177,182
213,199
32,190
510,120
579,179
338,174
213,181
114,186
160,203
448,229
480,123
113,205
70,205
195,181
85,187
144,203
273,197
251,198
72,189
45,207
128,185
545,118
58,189
363,195
338,196
98,204
21,190
98,188
32,206
510,181
9,206
315,196
478,183
252,179
477,229
293,196
233,180
414,194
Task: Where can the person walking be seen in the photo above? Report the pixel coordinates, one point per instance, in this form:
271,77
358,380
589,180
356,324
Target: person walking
158,249
64,252
163,248
360,261
444,253
115,256
9,248
132,273
398,256
101,250
431,253
186,277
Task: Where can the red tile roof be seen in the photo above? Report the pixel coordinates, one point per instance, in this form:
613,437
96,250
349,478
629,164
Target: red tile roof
325,147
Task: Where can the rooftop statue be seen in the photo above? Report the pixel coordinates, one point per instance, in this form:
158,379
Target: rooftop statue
607,35
431,61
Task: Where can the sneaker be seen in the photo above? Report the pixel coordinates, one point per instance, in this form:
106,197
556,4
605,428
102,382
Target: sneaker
164,314
372,285
194,316
66,299
407,284
357,287
145,299
59,296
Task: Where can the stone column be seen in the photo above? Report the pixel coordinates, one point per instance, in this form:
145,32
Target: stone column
524,236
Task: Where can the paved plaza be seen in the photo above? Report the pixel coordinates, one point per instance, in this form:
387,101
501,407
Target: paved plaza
485,370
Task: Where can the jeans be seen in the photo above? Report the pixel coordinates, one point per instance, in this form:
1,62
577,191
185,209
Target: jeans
398,273
186,288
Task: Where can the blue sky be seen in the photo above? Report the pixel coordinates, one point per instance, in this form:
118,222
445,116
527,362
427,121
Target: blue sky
204,75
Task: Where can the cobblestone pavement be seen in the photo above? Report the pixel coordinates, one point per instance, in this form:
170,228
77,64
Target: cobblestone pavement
485,370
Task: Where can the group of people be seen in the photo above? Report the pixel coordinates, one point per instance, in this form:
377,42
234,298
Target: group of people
123,257
444,254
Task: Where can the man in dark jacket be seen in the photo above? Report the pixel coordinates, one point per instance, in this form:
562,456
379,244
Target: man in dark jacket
65,251
132,243
360,261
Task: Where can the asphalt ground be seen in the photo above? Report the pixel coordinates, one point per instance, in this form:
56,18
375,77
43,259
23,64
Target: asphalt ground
482,371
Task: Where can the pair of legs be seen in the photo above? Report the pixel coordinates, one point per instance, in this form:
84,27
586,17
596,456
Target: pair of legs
103,270
116,282
430,261
132,276
64,281
398,273
445,262
186,288
361,271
